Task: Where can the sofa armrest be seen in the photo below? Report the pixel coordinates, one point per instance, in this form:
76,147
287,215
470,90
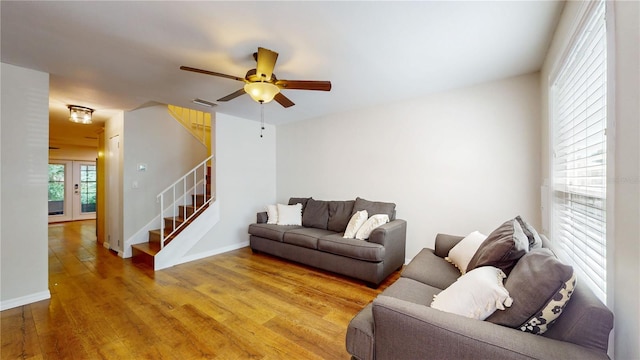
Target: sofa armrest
261,217
445,242
393,231
405,330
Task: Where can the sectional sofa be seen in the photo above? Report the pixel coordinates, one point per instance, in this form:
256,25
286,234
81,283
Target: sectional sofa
318,239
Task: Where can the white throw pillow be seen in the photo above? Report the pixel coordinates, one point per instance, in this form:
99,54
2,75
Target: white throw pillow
355,223
461,254
272,214
372,223
476,294
289,214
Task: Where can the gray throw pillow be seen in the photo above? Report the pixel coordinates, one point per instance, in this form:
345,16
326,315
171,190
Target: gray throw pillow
316,214
536,280
339,215
502,248
374,207
299,200
535,242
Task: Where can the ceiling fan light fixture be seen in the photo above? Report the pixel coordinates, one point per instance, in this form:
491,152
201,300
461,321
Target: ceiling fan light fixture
262,92
80,114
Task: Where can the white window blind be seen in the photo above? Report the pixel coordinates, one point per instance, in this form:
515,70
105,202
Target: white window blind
579,122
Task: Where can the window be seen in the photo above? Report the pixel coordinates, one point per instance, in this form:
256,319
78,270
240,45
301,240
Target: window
579,123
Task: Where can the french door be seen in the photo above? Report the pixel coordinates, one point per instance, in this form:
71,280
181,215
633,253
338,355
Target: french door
72,190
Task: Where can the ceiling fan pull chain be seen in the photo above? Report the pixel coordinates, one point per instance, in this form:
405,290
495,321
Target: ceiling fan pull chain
261,117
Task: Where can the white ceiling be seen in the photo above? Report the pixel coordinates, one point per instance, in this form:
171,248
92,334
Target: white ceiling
121,55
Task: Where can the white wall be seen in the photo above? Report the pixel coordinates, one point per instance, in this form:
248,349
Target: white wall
154,138
24,152
453,162
245,181
626,237
623,271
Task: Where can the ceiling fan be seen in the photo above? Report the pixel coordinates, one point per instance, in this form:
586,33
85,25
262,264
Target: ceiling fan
262,84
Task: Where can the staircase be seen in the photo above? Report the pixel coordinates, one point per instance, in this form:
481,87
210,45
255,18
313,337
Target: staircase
180,205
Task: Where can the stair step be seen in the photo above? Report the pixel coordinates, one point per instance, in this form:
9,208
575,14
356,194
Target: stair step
145,252
154,236
200,199
168,223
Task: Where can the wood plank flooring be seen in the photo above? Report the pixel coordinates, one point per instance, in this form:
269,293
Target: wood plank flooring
236,305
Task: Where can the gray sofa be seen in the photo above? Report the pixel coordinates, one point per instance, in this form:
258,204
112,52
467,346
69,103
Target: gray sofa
400,324
318,242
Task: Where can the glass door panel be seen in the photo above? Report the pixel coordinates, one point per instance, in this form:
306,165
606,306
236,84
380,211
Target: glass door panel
59,191
84,190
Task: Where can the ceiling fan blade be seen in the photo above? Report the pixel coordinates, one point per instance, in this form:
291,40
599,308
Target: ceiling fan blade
266,62
283,100
232,95
213,73
304,85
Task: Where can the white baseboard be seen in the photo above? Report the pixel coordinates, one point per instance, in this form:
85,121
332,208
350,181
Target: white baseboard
206,254
24,300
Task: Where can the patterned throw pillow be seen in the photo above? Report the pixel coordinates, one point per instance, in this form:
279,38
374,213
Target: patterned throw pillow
542,321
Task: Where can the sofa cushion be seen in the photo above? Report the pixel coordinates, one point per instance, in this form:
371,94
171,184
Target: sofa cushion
430,269
353,248
299,200
502,248
373,222
316,214
305,237
374,207
536,278
339,215
270,231
356,221
413,291
476,294
463,252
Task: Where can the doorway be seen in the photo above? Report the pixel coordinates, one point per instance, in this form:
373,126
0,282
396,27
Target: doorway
72,190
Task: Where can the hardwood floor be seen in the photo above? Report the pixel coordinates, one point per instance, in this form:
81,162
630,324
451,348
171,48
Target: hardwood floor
236,305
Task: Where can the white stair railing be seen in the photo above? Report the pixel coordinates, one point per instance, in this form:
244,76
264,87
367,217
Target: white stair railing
178,194
195,121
